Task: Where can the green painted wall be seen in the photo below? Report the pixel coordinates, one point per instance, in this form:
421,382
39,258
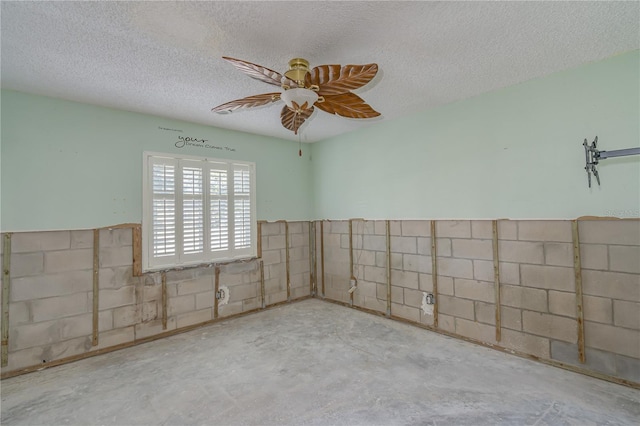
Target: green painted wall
67,165
514,153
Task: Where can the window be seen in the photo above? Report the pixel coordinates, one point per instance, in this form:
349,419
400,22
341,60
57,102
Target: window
196,210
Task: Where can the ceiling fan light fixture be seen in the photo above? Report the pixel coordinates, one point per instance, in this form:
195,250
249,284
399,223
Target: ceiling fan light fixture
299,96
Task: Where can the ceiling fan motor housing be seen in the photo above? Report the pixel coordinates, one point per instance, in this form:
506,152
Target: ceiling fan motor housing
298,68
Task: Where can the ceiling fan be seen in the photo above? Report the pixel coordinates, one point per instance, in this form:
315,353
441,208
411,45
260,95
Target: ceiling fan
327,87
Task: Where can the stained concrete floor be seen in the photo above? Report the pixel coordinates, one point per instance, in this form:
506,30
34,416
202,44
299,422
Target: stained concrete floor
312,363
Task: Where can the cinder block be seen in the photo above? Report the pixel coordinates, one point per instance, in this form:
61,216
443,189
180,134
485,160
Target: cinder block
451,267
68,348
483,270
625,259
205,300
416,228
396,260
197,285
105,320
475,330
596,360
375,243
27,264
545,230
550,277
275,242
445,286
367,288
482,229
521,252
299,266
626,314
113,298
185,274
404,245
556,327
281,296
198,317
507,230
443,247
338,226
181,304
297,253
609,338
523,297
381,291
375,274
241,292
41,286
526,343
115,337
594,256
562,303
19,313
379,227
485,313
271,257
511,318
453,229
58,307
446,323
375,304
404,279
364,257
117,277
397,295
628,368
509,273
473,249
152,328
25,242
274,228
116,256
456,307
68,260
116,237
298,292
413,298
295,228
475,290
25,358
558,254
251,304
416,263
125,316
406,312
76,326
614,285
623,232
424,246
597,309
425,282
81,239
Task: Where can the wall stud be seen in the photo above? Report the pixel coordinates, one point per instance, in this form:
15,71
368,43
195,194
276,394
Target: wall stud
496,280
6,281
577,268
434,272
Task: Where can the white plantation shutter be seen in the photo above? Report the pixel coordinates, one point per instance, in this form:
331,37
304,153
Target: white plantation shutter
197,210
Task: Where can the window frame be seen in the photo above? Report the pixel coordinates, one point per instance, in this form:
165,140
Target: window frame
208,256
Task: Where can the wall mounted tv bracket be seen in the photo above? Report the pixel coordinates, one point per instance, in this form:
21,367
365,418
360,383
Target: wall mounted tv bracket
593,156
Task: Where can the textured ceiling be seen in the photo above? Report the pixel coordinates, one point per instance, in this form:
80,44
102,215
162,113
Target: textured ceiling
164,58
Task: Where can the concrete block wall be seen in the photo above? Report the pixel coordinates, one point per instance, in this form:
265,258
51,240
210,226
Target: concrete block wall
538,302
51,291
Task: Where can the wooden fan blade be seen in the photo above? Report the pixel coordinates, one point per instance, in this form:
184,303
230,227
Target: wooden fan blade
347,105
248,102
260,73
335,80
293,120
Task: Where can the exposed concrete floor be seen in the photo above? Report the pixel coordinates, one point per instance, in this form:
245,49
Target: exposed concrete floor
312,363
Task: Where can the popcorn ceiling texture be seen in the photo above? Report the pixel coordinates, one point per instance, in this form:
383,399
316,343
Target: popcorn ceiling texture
164,58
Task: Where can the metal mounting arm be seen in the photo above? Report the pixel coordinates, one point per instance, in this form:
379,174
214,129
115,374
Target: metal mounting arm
593,156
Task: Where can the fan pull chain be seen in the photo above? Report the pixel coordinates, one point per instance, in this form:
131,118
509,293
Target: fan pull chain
299,145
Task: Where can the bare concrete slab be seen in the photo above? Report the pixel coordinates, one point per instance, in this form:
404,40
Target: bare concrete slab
313,363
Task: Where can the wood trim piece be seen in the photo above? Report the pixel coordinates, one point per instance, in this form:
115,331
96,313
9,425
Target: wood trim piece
496,282
6,288
288,264
259,239
312,241
352,275
322,255
137,251
262,297
577,268
388,254
165,314
96,285
434,272
215,294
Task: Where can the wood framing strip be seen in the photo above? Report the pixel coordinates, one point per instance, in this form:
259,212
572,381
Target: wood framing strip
137,250
352,275
322,254
388,235
262,300
6,285
215,295
577,268
96,285
434,272
259,238
288,264
496,281
165,314
312,242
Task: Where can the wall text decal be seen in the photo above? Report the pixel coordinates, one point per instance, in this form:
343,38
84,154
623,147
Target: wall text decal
200,143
